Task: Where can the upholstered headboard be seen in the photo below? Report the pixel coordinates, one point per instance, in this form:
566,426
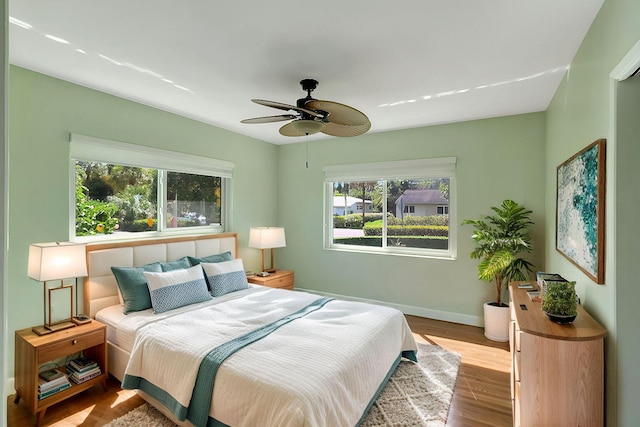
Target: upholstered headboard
100,287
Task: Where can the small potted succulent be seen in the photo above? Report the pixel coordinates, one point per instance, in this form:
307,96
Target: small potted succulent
559,301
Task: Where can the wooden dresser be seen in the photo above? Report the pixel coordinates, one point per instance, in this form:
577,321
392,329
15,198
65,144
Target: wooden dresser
557,371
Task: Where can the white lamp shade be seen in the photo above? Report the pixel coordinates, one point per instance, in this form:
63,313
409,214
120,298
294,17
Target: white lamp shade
55,261
267,237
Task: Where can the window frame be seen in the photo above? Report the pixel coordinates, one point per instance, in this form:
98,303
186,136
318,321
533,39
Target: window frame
439,167
87,148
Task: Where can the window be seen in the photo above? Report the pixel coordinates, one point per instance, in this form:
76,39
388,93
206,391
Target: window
443,210
122,188
409,207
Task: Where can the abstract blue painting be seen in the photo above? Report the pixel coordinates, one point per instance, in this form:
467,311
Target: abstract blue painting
580,210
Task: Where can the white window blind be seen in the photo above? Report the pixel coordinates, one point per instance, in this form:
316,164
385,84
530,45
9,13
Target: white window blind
402,169
89,148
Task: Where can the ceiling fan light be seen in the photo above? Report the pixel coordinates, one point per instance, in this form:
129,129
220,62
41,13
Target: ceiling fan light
307,127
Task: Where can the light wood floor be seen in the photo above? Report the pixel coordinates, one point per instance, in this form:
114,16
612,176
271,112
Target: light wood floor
482,396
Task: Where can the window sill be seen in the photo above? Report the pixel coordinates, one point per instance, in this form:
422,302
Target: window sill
446,256
195,231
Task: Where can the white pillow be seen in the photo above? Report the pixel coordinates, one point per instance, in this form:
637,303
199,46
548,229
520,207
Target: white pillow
225,277
177,288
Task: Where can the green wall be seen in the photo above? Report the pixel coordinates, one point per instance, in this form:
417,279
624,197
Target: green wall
496,159
44,110
580,113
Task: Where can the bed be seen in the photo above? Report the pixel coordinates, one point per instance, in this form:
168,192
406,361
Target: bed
251,356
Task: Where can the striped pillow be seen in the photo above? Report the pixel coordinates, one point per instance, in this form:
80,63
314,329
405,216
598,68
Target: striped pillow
177,288
225,277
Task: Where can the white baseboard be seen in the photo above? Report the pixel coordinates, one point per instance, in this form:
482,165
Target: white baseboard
446,316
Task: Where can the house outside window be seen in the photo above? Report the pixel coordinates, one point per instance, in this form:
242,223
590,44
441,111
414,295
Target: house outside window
117,194
404,207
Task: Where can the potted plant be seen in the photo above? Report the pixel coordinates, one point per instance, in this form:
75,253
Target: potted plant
559,301
501,240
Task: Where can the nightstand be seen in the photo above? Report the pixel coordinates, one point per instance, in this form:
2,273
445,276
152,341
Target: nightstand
32,351
282,279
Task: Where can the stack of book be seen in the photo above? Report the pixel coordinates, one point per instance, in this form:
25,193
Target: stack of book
83,369
51,382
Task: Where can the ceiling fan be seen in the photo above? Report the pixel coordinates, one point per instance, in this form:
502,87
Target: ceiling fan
311,116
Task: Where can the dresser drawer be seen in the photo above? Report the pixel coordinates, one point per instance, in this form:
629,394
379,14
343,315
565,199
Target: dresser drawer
516,406
281,282
70,345
516,366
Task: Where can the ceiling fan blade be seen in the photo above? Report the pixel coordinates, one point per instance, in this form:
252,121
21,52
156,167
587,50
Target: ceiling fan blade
335,129
295,128
269,119
287,107
339,113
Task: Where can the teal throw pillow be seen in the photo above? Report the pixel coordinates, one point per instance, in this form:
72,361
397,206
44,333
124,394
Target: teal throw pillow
133,286
178,264
226,256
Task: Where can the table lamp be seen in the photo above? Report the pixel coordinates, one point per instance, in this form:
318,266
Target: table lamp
56,261
267,238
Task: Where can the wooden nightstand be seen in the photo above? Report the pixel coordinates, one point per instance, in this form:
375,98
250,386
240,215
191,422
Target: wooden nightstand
282,279
32,351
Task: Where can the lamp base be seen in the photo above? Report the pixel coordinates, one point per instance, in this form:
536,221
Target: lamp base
47,329
41,330
60,326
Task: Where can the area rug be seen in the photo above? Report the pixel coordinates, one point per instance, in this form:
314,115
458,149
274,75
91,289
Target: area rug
416,395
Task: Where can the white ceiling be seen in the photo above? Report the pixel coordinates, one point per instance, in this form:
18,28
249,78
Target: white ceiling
403,63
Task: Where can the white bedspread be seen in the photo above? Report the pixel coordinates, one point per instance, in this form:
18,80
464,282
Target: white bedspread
322,369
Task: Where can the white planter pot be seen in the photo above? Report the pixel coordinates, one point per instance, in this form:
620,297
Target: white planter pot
496,322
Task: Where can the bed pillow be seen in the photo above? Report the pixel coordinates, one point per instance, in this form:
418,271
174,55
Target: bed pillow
225,277
133,286
178,264
225,256
177,288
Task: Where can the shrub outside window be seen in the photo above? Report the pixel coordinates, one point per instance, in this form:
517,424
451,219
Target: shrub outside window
409,215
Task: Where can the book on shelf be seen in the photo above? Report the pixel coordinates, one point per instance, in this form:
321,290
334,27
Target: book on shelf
43,395
44,385
82,364
51,374
83,374
83,370
80,380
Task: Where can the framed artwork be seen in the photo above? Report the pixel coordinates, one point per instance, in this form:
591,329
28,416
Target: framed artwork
580,210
